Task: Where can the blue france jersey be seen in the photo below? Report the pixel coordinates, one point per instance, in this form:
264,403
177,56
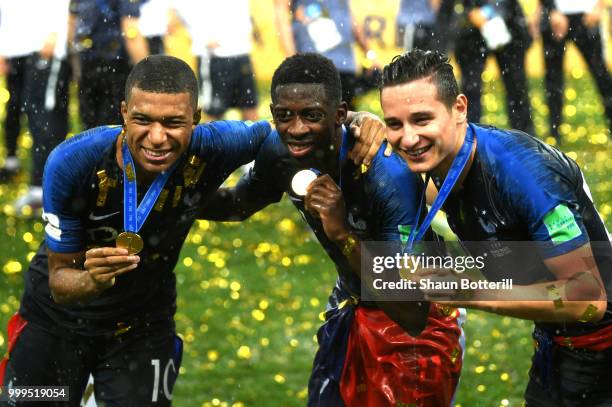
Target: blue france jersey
381,203
83,208
520,189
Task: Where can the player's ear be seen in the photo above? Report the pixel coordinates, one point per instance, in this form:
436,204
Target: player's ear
341,113
461,107
197,116
124,111
272,111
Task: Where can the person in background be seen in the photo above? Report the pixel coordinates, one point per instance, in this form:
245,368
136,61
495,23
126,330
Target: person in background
221,38
416,25
106,38
496,27
579,22
16,44
328,28
153,23
46,93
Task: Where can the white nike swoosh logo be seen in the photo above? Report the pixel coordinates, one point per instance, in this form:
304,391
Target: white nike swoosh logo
94,217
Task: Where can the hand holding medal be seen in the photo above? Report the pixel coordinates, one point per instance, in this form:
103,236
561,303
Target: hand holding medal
324,200
103,264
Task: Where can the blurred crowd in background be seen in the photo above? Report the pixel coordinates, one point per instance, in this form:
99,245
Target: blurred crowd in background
47,45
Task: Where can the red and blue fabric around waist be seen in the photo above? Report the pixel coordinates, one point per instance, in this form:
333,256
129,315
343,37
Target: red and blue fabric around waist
595,341
366,359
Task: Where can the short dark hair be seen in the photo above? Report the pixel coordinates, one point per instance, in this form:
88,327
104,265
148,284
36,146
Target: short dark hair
418,64
308,68
162,74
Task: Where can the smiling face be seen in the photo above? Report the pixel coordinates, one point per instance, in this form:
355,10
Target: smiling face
308,122
158,128
421,128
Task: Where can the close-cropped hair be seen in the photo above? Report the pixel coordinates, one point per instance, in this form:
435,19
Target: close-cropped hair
417,64
308,68
162,74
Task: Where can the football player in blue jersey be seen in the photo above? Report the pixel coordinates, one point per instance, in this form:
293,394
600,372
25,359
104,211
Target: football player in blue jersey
412,358
100,293
507,186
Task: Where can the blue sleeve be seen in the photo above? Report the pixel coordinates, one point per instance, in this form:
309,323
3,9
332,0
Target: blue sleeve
233,143
540,185
396,192
129,8
66,171
264,181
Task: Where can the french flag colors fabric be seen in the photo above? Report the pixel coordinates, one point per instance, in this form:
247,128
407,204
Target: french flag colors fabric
366,359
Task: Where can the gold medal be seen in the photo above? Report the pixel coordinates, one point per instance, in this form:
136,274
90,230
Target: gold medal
130,241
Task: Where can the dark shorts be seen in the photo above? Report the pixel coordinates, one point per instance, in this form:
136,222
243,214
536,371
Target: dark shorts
156,45
578,377
131,369
101,90
226,83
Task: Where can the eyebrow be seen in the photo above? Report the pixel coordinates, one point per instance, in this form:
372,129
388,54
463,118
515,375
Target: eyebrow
311,107
417,115
421,113
138,114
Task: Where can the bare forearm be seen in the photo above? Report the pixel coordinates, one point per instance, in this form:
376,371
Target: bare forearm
73,286
283,25
540,310
135,44
71,28
546,302
350,245
137,49
360,37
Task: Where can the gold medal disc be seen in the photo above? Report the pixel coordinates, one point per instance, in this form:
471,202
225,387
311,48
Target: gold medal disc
130,241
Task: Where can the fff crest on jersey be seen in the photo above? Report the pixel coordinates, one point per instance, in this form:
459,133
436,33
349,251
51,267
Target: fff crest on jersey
192,171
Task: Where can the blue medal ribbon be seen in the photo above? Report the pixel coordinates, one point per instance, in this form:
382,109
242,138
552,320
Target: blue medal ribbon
417,232
344,147
134,216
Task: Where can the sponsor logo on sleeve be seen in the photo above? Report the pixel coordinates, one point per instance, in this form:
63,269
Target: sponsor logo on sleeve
52,229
